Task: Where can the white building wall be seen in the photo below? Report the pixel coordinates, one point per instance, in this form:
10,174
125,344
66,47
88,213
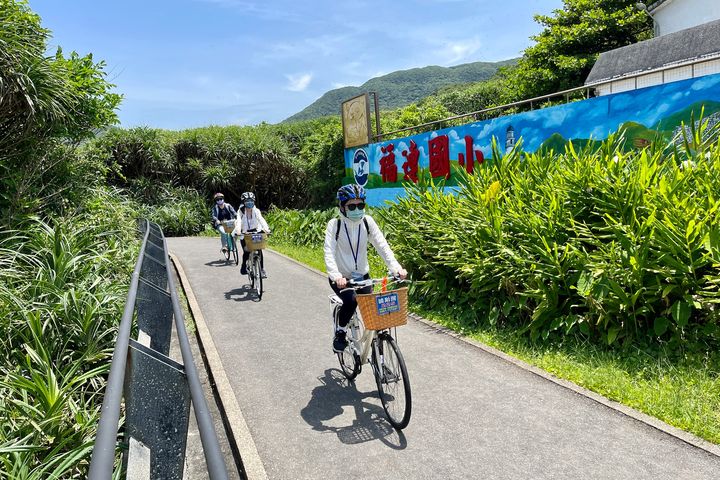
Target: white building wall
677,74
708,67
655,78
674,15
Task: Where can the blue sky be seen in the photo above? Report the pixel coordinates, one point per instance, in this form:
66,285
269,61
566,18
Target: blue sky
188,63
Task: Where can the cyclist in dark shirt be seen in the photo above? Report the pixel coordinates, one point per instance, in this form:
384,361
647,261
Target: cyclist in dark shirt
221,211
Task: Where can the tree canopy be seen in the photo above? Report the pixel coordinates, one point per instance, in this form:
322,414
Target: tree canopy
573,37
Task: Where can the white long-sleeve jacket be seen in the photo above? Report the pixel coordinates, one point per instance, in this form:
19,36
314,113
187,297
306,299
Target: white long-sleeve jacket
348,253
251,220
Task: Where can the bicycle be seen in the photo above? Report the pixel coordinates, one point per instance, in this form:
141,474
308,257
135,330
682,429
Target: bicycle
370,341
231,251
255,243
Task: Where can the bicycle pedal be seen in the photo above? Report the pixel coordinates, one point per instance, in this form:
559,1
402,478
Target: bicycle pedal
388,376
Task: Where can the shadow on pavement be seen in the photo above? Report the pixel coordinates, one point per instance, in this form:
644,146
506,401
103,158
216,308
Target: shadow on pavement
242,294
336,392
221,263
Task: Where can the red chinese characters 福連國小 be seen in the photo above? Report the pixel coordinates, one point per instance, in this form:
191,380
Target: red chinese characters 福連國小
439,156
388,169
410,167
469,164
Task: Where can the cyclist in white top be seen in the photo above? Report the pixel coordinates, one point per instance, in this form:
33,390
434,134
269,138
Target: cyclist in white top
346,245
251,221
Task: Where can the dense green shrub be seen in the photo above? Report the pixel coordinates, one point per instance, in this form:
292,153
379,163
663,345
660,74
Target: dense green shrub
621,246
181,212
299,227
62,290
47,104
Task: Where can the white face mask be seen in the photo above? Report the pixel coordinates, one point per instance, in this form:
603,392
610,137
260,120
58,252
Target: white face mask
220,202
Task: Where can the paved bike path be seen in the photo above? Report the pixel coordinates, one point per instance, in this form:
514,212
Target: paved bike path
474,414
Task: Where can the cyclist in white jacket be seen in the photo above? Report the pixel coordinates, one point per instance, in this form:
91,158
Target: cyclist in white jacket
346,246
251,221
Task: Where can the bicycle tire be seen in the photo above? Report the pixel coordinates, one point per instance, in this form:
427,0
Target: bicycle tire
258,276
349,361
235,251
226,252
394,385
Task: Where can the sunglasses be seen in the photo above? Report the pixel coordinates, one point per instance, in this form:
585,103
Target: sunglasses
353,206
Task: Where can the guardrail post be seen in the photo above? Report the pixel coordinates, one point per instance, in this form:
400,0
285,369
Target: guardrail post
157,402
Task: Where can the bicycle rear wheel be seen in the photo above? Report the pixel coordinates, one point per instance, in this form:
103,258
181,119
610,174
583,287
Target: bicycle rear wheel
257,274
392,381
349,361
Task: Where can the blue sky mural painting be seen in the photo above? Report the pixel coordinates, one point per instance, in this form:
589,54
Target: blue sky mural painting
646,115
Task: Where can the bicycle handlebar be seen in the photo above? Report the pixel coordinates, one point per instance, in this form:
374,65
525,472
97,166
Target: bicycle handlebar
357,284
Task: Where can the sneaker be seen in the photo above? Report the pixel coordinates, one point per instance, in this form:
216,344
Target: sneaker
224,250
263,274
243,270
339,342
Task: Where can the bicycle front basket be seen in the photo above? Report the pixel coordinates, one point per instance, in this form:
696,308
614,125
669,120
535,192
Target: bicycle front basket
255,241
229,226
384,310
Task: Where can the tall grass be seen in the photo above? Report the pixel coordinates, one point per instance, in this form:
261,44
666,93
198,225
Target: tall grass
62,290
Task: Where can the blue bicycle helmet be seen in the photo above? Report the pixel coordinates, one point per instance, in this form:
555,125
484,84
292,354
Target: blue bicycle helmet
349,192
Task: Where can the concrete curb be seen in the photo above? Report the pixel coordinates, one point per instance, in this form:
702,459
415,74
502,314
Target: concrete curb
653,422
252,464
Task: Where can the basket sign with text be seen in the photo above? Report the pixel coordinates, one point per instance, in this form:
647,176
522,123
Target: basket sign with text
257,237
387,303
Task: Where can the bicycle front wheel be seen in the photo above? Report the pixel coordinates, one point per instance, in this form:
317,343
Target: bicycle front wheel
392,381
226,251
235,250
258,281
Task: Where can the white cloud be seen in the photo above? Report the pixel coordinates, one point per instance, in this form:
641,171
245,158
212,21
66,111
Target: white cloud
457,51
555,117
298,82
705,82
259,10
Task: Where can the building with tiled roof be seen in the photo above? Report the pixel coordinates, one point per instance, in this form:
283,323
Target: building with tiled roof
685,46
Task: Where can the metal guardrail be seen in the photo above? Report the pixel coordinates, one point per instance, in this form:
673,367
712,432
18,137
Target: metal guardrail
530,101
566,93
156,389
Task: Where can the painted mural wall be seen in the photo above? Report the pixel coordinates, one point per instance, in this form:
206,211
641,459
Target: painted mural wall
647,115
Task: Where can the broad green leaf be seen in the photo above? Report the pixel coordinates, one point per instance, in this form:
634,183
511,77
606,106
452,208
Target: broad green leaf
612,334
661,325
681,312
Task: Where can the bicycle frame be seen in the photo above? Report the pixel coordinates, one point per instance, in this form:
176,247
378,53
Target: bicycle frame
362,340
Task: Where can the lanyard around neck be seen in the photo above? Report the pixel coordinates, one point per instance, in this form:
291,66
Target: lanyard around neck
356,251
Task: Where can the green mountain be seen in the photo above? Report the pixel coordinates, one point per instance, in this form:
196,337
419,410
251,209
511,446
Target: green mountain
637,135
671,122
403,87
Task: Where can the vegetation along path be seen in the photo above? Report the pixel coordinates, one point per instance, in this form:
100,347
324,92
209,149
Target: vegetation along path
474,414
